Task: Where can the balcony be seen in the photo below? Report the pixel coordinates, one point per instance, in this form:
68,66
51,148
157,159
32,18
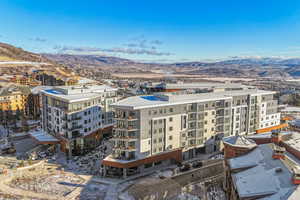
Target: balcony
125,138
124,148
75,127
129,118
74,118
76,135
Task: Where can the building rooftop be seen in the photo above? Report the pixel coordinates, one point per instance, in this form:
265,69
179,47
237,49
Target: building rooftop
42,137
263,177
38,89
291,109
240,141
139,102
11,89
78,93
202,85
293,141
295,122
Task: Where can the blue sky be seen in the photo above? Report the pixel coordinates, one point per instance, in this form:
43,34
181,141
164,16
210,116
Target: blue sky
156,30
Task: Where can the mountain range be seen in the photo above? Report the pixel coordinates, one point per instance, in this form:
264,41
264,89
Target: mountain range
269,67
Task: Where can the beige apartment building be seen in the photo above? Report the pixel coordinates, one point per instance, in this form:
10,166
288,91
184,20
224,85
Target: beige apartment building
166,128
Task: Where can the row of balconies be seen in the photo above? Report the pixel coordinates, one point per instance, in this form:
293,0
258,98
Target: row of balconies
129,128
75,127
124,148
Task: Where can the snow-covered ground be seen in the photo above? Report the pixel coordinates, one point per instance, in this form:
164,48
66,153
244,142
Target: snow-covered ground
22,63
89,163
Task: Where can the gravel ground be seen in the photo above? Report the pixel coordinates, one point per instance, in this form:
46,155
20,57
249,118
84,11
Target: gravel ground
58,184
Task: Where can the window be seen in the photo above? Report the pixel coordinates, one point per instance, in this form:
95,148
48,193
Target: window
170,119
212,129
160,121
154,141
160,130
171,128
213,112
205,113
171,109
170,137
160,139
155,121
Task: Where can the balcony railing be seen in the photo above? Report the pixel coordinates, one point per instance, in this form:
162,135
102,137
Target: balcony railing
76,135
74,118
125,148
75,127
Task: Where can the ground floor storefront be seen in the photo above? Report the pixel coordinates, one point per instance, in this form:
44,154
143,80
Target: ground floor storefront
122,169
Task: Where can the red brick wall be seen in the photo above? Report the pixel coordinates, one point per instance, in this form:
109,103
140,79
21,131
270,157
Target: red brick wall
233,151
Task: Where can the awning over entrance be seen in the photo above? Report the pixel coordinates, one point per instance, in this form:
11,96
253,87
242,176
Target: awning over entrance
42,137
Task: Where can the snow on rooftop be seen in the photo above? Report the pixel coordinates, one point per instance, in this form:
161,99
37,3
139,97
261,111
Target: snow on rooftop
78,92
261,177
138,102
291,109
294,141
42,136
38,89
240,141
295,122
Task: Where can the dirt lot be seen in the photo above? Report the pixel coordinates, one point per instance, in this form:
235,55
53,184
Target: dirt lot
48,182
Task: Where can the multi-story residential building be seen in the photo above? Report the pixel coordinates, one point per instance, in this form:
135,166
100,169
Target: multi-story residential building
33,105
78,115
163,127
13,98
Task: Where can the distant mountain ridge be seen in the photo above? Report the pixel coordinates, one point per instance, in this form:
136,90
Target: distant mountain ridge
237,67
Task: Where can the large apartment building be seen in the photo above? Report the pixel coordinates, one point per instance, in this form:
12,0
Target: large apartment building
78,115
161,128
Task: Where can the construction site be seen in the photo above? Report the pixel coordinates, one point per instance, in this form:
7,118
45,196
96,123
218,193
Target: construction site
53,177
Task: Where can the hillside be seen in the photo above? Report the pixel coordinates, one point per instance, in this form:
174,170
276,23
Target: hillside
244,67
105,65
11,53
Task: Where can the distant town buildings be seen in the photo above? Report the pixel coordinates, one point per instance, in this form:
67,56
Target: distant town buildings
78,115
163,128
193,87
